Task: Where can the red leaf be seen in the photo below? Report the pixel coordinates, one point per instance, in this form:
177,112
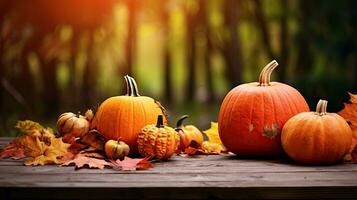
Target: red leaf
349,112
132,164
12,151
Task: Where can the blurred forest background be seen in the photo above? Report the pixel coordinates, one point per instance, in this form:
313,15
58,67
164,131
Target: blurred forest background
70,55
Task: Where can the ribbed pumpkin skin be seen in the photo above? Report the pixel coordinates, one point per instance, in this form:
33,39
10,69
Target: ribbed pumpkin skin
158,142
122,117
252,116
312,139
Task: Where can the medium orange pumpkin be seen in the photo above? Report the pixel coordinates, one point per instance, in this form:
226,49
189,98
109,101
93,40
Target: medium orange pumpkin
122,117
252,115
316,137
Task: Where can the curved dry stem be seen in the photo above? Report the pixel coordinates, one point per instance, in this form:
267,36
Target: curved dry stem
131,87
264,77
321,107
179,123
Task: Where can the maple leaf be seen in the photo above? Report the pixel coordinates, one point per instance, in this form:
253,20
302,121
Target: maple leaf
81,161
212,133
50,153
349,112
32,146
132,164
24,146
13,151
28,126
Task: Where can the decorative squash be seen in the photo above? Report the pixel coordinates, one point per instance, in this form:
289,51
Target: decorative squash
123,116
316,137
252,115
188,133
116,149
158,141
75,125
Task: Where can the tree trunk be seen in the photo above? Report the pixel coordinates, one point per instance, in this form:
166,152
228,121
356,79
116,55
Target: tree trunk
284,54
73,88
190,54
89,79
166,53
232,49
50,93
130,42
304,59
263,27
205,23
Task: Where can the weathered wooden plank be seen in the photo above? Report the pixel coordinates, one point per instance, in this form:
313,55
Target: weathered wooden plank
297,179
204,164
179,193
6,139
17,167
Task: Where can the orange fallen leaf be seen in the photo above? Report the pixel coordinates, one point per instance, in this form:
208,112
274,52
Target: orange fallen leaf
132,164
13,151
349,112
81,161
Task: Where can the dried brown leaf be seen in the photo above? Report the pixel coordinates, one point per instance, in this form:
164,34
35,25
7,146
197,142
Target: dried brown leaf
81,161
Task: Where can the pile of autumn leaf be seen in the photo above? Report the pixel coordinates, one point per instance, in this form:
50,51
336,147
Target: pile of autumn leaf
40,146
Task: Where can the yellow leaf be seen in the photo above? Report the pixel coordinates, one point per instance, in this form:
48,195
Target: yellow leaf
28,126
210,147
50,156
212,133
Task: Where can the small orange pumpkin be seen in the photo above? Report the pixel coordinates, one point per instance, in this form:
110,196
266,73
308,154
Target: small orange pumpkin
124,116
158,141
316,137
252,115
188,133
116,149
75,125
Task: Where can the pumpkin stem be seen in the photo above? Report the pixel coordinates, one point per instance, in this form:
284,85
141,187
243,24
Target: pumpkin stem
264,77
131,87
321,107
180,122
160,122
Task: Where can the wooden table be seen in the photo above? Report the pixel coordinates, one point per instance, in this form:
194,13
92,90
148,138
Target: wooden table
201,177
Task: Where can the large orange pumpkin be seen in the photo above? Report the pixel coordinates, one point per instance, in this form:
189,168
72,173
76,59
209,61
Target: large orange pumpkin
122,117
252,115
316,137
